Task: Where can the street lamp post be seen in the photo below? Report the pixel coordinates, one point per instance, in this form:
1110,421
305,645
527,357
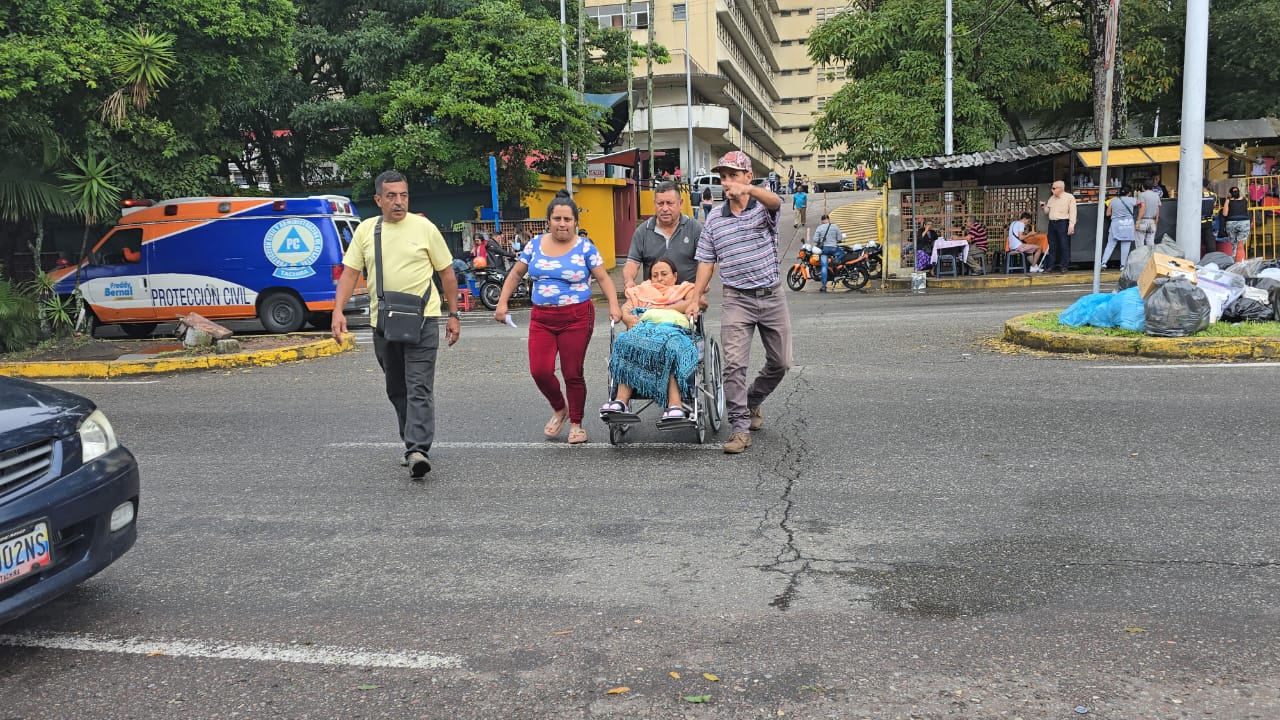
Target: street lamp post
1191,154
688,94
564,78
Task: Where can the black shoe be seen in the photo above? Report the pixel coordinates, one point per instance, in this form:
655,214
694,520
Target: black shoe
419,465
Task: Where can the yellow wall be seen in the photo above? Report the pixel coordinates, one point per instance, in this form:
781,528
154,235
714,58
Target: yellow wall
594,197
646,203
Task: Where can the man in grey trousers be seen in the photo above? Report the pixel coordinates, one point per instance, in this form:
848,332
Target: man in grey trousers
742,237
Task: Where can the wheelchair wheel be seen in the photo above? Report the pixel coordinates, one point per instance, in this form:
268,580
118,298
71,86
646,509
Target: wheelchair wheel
713,380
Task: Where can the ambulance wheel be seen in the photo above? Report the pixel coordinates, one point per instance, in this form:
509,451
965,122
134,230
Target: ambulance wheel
282,312
138,330
320,320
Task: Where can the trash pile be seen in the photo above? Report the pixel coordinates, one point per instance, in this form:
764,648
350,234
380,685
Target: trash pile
1163,294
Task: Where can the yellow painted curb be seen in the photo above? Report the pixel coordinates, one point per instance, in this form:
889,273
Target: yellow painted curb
121,368
1212,348
996,281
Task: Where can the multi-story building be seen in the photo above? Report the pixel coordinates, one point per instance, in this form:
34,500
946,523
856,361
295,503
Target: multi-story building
752,84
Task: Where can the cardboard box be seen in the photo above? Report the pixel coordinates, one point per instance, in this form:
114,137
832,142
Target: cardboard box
1163,266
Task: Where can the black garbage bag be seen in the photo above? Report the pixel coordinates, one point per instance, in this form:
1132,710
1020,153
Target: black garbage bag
1263,283
1274,295
1177,309
1222,260
1246,310
1133,268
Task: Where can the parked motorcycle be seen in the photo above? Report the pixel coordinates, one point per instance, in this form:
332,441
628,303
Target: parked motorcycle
490,282
848,266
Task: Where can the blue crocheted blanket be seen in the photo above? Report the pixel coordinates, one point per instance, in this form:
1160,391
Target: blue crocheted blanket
647,354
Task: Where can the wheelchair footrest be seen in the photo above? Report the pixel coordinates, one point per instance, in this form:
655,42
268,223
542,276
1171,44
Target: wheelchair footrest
620,418
677,424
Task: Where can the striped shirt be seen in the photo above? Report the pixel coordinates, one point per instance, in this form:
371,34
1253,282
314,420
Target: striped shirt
745,246
978,236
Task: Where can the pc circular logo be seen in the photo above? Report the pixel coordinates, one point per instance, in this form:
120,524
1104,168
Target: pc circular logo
293,246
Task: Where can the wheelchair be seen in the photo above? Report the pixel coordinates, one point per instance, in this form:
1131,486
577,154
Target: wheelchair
704,408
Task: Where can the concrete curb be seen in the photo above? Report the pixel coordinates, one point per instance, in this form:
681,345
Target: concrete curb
996,281
104,369
1234,348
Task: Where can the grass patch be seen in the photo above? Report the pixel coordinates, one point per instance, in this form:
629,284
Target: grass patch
1049,321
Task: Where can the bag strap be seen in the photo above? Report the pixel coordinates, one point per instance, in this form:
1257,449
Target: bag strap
377,264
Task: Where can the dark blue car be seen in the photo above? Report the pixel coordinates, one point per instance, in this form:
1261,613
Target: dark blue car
68,494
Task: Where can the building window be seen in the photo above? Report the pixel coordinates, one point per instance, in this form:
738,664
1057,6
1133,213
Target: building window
786,101
785,13
803,71
822,102
612,16
786,73
680,12
785,43
827,161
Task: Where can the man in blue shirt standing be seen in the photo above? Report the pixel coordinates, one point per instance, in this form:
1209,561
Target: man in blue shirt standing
800,202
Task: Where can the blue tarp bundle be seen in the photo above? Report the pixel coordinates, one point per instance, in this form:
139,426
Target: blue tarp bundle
647,354
1124,309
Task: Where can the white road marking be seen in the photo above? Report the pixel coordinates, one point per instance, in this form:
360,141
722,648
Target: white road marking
100,382
1187,366
531,445
306,654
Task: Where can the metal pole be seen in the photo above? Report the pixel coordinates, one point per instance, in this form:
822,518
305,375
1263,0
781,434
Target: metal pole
564,78
582,75
1191,154
688,95
742,126
631,105
1109,58
948,146
649,95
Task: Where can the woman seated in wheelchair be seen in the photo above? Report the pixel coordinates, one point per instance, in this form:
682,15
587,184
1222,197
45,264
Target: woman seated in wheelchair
656,357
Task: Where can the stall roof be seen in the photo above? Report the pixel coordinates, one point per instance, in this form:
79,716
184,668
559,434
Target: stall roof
628,158
978,159
1123,151
1267,128
1150,155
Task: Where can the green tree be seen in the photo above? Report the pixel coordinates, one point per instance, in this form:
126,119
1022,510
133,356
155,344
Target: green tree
481,82
94,191
892,104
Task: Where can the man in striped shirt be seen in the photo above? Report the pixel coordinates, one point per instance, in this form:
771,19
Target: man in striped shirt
741,236
977,246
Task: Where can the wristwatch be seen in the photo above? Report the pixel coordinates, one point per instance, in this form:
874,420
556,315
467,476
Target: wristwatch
455,316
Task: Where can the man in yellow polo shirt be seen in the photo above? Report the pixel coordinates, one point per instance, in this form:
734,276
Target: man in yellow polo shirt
412,252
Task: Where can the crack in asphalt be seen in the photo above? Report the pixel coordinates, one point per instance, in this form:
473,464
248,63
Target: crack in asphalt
789,468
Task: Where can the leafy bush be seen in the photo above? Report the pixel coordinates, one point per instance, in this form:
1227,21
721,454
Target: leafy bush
19,317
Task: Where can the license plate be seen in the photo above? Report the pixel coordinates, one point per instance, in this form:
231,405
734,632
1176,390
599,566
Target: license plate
25,550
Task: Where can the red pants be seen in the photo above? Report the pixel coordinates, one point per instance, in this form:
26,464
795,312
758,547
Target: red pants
564,330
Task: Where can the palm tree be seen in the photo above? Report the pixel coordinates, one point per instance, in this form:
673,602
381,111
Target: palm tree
142,61
95,196
28,192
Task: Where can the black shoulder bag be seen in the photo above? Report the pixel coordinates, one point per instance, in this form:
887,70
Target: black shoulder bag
400,315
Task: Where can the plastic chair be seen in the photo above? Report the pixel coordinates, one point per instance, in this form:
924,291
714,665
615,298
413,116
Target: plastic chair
947,260
466,301
1015,261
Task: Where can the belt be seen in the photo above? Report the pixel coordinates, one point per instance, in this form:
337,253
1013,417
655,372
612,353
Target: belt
754,292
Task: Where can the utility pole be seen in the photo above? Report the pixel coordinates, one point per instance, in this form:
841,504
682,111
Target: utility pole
564,79
631,105
947,144
688,95
1191,155
649,95
582,73
1109,59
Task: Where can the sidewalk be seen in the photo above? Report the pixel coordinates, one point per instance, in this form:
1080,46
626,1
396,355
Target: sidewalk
996,281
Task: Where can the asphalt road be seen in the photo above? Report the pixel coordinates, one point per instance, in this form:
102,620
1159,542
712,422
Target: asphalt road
929,525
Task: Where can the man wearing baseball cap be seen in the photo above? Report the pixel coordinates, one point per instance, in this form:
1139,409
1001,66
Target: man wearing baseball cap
741,236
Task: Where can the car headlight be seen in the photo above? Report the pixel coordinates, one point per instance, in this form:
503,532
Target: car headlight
96,436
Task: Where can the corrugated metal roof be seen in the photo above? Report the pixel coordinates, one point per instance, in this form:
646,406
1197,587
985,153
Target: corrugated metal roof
1256,129
967,160
1023,152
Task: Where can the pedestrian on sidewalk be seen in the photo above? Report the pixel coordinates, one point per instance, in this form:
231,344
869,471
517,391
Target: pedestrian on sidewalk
800,202
399,254
1122,209
1061,210
1148,217
561,265
741,236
